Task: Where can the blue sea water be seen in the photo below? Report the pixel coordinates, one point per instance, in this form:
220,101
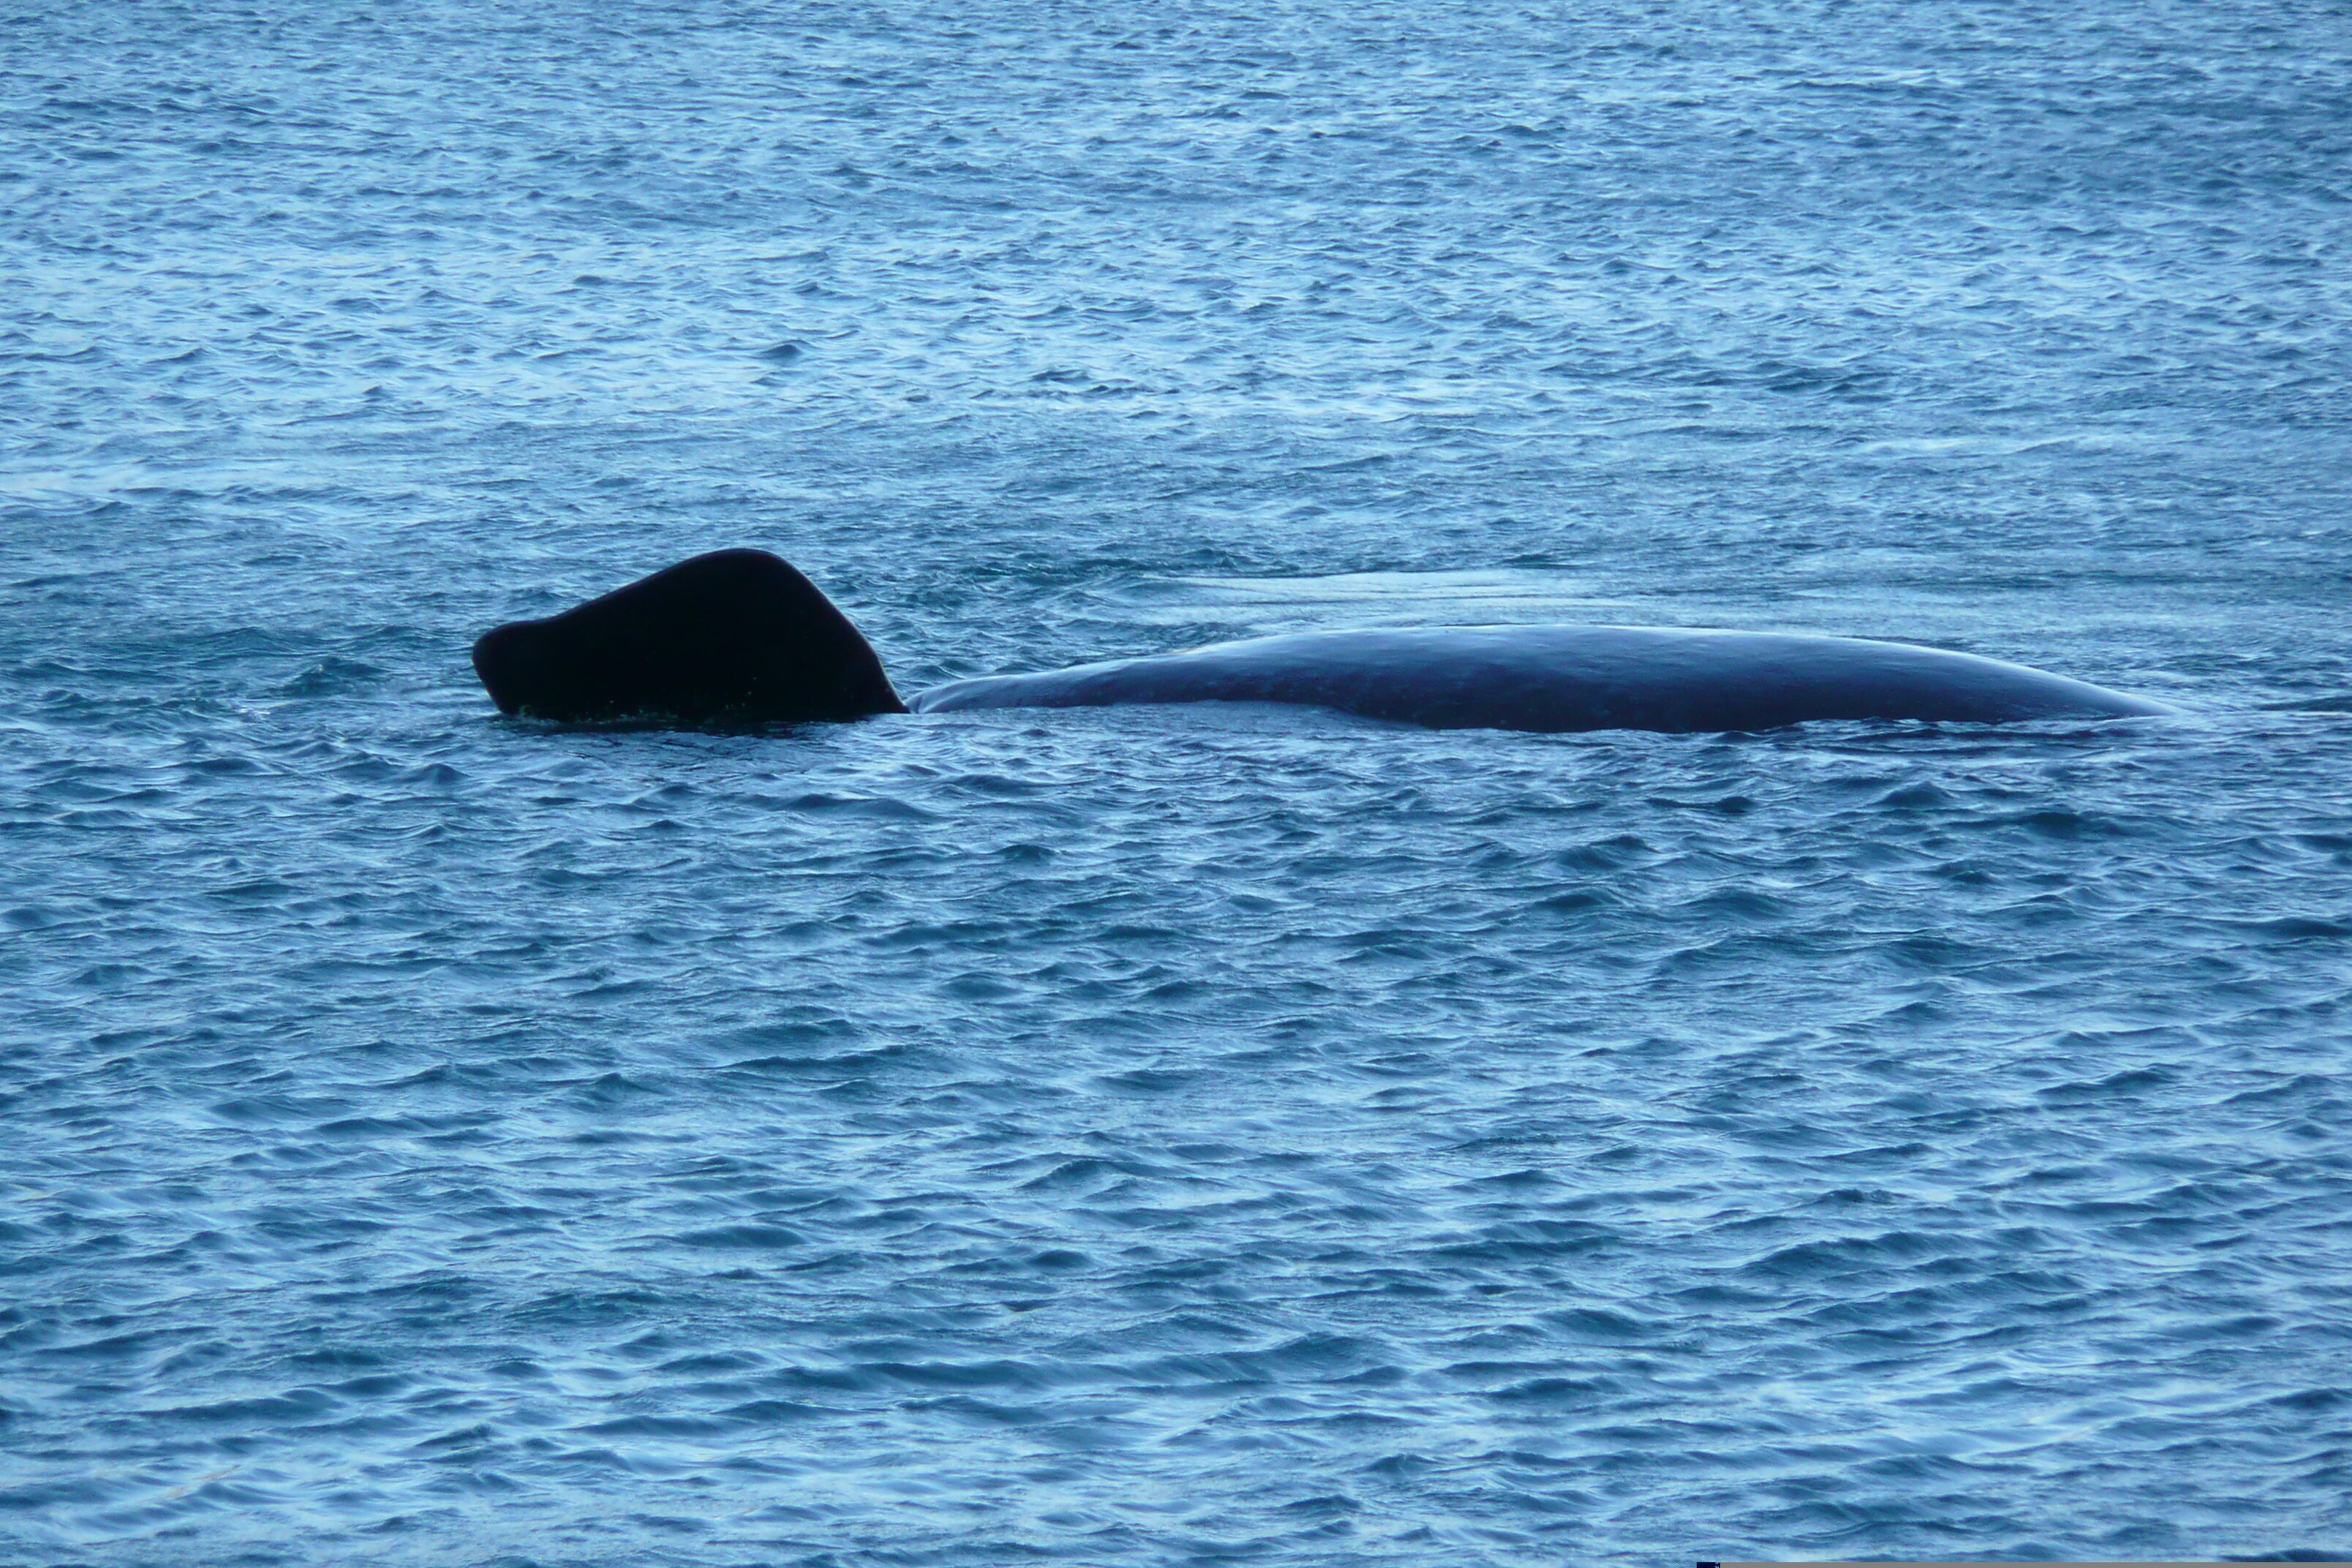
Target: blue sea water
1192,1135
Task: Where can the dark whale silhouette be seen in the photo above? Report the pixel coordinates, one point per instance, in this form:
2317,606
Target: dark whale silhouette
741,636
734,635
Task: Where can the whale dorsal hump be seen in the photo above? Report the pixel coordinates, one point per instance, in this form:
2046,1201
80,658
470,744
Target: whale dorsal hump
735,635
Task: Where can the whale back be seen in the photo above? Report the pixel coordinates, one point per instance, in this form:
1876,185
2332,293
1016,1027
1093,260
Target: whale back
735,635
1562,677
739,635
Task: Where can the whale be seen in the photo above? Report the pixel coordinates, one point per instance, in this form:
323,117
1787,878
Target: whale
734,635
742,636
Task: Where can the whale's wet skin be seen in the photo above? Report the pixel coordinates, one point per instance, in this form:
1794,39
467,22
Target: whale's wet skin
1555,680
739,635
1171,1133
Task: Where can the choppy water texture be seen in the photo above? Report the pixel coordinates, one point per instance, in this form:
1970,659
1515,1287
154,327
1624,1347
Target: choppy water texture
1133,1137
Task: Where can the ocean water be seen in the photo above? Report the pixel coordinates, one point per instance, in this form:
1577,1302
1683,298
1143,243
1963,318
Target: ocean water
1192,1135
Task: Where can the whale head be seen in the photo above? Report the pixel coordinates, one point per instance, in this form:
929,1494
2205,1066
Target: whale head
737,635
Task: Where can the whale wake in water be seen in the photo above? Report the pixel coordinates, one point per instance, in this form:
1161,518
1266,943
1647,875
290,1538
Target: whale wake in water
740,635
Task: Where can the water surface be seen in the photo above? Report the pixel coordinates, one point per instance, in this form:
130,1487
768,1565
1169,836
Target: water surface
1195,1135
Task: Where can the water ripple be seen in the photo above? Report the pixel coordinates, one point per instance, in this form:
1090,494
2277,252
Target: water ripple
1194,1135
